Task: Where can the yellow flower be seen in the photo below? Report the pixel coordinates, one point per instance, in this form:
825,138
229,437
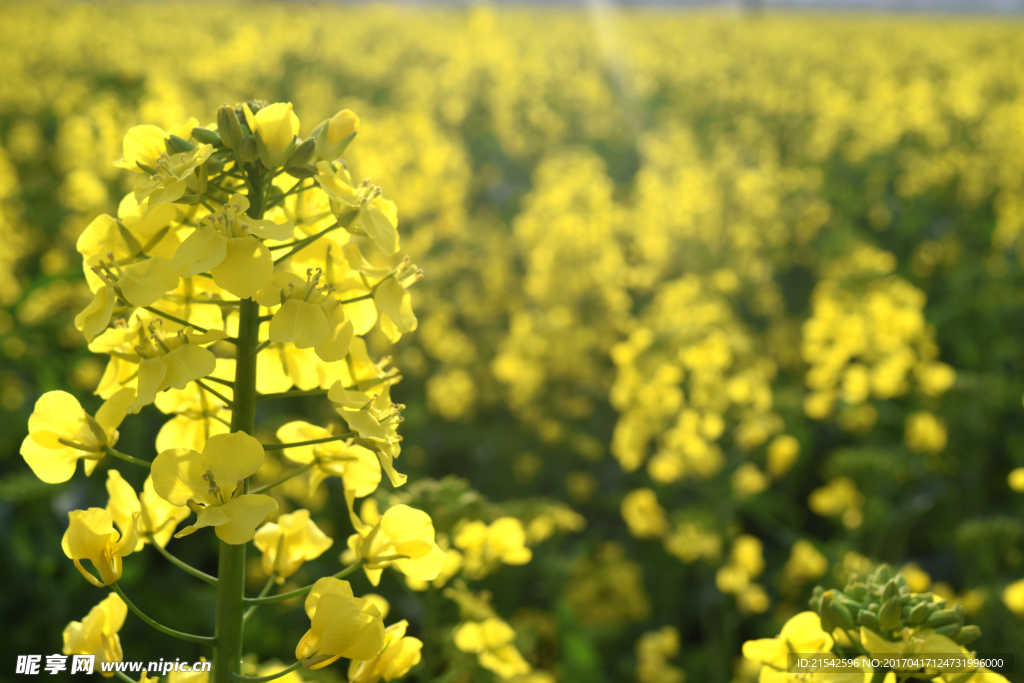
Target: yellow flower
308,315
157,519
197,414
378,217
402,537
341,626
289,542
275,127
783,452
228,244
139,284
334,135
175,173
802,633
1013,597
400,654
171,362
374,419
485,547
97,633
91,536
145,144
358,467
1016,479
211,483
125,237
492,641
925,433
395,306
644,516
60,434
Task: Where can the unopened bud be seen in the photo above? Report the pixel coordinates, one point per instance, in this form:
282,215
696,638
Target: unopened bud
247,150
840,615
869,619
228,127
919,613
949,630
889,616
824,613
967,635
940,618
176,145
206,136
889,591
883,573
302,154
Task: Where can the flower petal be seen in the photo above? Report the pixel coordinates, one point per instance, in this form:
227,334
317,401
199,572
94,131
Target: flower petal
246,268
244,513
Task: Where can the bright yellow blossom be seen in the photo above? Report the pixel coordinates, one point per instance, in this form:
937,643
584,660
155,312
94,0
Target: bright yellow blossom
342,625
492,641
403,538
171,361
97,634
60,434
484,547
157,519
275,127
139,284
334,135
400,654
91,536
288,542
144,144
211,484
175,174
802,633
358,467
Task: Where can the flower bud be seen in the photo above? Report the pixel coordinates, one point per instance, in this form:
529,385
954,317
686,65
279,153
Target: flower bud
967,635
247,150
940,618
890,590
919,613
949,630
889,616
177,145
840,615
206,136
882,574
334,135
827,624
302,154
858,592
228,127
869,619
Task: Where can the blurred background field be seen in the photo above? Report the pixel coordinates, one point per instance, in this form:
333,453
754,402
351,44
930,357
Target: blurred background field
720,306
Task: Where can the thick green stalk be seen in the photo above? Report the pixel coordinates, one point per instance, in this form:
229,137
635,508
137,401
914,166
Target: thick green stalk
227,659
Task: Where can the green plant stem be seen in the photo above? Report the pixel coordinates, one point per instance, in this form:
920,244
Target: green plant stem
216,393
263,592
175,319
879,675
263,345
290,394
202,640
263,679
311,442
127,458
125,677
188,569
300,591
218,380
294,473
343,222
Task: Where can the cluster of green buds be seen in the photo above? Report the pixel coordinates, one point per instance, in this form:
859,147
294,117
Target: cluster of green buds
883,603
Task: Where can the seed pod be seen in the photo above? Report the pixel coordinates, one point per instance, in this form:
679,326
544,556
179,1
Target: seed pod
228,127
949,630
869,619
840,615
967,635
940,617
919,613
206,136
177,145
247,150
889,616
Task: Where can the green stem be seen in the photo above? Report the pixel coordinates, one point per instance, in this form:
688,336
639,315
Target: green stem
125,677
303,243
263,679
181,565
290,394
879,675
301,591
202,640
262,346
175,319
127,458
294,473
216,393
311,442
263,592
218,380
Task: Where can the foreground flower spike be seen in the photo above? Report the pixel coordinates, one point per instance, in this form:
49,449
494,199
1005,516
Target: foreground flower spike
97,633
402,537
60,434
211,484
342,625
289,542
400,654
91,536
157,518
